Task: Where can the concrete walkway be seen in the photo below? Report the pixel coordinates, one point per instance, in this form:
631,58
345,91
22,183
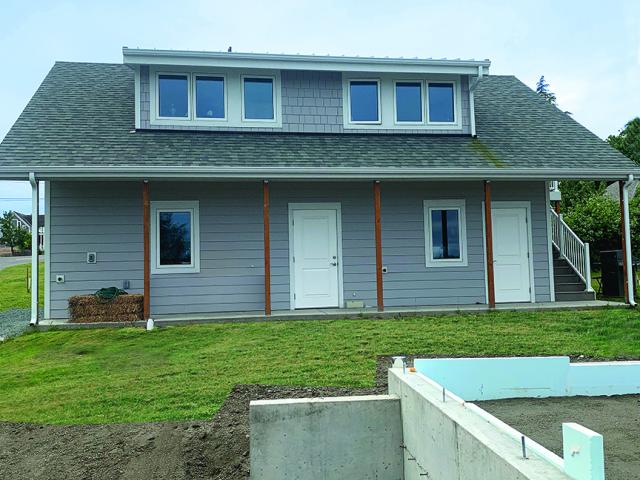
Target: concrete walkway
11,261
332,314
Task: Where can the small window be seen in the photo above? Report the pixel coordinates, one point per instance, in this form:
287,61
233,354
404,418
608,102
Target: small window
441,103
258,99
210,97
445,232
364,101
176,242
409,102
173,96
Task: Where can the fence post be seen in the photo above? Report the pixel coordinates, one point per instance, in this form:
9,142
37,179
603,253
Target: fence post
587,266
561,235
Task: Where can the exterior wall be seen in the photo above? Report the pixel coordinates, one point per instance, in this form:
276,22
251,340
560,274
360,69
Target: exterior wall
311,103
106,218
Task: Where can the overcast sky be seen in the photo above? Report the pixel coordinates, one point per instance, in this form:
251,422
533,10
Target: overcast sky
588,50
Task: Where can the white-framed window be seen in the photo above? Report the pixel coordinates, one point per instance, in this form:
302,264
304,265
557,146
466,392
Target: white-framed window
173,96
408,102
364,101
258,98
445,233
442,103
210,97
175,237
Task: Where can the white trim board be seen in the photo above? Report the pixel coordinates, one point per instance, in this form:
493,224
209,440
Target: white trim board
551,273
47,250
337,206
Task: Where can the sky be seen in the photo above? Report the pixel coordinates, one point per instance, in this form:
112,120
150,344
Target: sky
588,50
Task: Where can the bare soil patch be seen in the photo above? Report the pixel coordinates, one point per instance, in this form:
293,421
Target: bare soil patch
616,418
215,449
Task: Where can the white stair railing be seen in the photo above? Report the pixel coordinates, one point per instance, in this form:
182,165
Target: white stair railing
571,248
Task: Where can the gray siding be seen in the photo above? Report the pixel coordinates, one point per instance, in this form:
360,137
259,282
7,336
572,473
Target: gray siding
106,218
311,103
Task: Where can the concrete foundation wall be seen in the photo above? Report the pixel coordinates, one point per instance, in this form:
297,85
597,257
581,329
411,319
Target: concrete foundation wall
326,438
446,441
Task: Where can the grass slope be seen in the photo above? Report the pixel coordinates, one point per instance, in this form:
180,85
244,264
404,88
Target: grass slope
130,375
13,287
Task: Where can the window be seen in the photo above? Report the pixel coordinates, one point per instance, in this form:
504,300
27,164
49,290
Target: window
173,96
210,97
175,241
409,102
441,103
257,97
364,101
445,233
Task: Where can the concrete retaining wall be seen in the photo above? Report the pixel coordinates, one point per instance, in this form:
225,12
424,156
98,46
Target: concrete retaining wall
445,441
326,438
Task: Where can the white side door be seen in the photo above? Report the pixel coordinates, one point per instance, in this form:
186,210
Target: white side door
511,255
315,258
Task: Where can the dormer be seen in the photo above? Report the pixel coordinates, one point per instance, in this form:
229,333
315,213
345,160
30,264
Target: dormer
302,93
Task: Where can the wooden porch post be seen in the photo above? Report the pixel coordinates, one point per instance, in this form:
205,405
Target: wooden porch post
267,248
491,293
378,235
146,217
623,234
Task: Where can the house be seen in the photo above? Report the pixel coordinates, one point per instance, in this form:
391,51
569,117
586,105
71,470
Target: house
238,182
23,220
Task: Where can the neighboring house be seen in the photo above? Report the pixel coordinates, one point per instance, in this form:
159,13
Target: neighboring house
613,191
230,182
23,220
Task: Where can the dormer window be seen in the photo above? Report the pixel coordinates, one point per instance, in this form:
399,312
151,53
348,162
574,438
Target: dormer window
364,101
173,96
441,105
210,93
258,98
409,105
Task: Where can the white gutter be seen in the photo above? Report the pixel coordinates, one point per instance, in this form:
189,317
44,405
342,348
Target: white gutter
307,173
627,240
35,199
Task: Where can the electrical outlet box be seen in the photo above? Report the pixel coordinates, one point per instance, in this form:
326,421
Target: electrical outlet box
385,269
92,257
126,284
59,278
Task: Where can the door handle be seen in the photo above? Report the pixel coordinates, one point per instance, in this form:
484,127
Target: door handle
333,264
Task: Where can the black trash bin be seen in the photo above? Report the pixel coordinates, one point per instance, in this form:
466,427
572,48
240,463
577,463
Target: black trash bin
613,273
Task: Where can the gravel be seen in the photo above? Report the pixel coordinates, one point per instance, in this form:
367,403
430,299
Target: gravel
14,322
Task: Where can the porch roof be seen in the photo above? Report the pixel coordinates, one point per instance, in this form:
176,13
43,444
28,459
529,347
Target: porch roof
80,123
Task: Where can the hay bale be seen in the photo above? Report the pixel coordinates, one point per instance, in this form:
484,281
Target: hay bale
89,309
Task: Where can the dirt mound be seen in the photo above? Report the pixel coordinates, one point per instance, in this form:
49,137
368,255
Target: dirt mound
217,449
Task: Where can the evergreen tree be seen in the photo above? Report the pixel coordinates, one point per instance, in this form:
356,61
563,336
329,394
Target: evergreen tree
542,89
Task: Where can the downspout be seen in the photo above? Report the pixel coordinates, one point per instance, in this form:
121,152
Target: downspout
35,210
627,241
472,103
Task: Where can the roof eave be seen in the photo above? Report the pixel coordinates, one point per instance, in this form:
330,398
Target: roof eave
136,56
307,173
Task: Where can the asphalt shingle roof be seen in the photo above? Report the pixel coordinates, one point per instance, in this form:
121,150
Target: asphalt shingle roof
82,115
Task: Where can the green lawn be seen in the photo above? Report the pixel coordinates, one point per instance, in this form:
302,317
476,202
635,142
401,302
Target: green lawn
128,375
13,287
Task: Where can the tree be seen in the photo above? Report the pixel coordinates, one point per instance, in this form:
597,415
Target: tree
628,140
576,192
12,235
542,89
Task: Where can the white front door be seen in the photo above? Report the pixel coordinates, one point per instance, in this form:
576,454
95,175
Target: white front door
511,255
315,258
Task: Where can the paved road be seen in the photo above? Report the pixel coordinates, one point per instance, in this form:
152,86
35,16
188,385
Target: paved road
11,261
